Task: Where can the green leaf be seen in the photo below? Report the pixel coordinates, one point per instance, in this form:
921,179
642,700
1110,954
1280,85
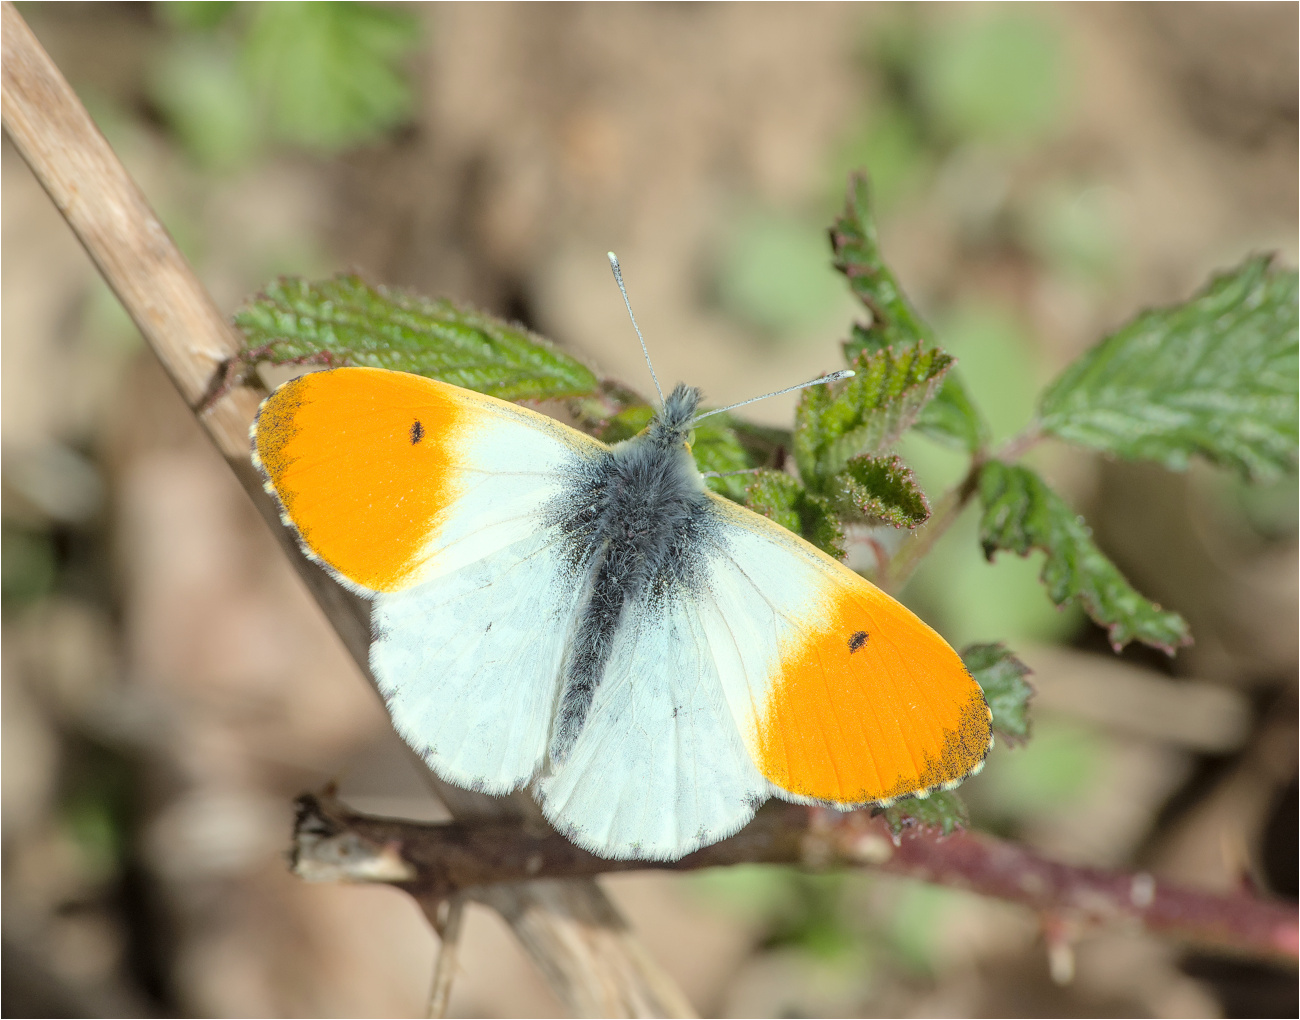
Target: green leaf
776,495
626,423
1021,513
345,321
942,810
1002,678
331,72
821,526
867,414
1215,376
879,489
894,323
717,448
951,417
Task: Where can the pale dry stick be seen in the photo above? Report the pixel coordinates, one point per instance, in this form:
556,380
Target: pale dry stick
570,928
448,920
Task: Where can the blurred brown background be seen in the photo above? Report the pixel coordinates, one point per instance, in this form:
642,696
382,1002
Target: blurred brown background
1043,172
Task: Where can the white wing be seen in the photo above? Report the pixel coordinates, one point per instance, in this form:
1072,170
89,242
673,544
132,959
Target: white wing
469,663
780,673
659,768
433,501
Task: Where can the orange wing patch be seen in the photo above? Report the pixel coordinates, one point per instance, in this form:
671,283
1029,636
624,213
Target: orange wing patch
871,705
364,463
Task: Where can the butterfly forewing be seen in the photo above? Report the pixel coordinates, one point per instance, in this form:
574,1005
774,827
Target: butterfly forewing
391,479
849,698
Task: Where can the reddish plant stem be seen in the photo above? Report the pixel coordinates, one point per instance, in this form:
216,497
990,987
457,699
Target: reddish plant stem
895,573
333,843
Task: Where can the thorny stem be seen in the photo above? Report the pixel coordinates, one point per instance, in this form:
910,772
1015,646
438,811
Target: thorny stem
334,843
894,573
1017,446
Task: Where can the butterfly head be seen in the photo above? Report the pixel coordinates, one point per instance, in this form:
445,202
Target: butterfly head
672,423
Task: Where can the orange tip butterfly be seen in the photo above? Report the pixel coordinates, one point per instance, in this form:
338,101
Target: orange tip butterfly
654,660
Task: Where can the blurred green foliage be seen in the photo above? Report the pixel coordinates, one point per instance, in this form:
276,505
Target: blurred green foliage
773,276
234,78
993,77
27,563
1049,774
330,73
994,73
97,800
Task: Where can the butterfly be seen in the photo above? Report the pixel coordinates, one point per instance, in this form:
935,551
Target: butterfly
654,660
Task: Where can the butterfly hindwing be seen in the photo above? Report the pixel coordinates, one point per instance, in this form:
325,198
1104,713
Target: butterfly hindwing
469,663
659,768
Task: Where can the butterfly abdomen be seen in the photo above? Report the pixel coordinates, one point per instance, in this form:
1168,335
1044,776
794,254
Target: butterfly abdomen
634,531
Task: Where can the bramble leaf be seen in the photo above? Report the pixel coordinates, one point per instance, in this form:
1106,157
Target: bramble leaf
1002,678
1021,513
626,423
942,810
880,489
717,448
345,321
951,417
867,414
776,495
1215,376
894,323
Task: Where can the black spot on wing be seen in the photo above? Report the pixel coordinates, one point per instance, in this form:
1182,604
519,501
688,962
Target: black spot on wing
417,433
857,641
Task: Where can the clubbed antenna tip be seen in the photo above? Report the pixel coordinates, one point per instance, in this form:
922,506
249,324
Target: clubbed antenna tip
822,380
618,278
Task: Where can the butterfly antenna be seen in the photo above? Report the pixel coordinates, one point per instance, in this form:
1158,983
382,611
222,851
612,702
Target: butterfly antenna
618,276
844,373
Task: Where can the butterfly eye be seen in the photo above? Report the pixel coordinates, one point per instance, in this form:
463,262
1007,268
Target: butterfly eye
690,440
